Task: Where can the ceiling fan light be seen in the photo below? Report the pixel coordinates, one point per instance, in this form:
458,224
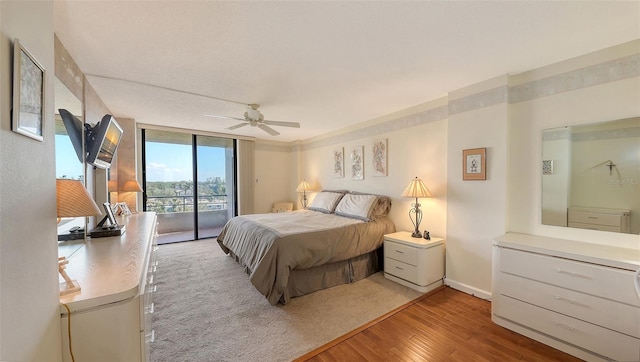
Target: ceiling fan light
253,114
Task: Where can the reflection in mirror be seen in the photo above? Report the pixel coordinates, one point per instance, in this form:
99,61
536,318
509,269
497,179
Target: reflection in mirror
68,166
591,176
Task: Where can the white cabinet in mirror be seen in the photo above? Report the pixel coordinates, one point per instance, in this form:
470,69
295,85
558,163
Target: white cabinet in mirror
594,181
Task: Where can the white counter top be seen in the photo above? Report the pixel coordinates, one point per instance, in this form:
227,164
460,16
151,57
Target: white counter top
617,257
111,269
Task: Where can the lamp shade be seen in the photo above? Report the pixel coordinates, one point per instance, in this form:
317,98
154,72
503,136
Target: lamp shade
112,186
303,186
416,189
131,186
73,199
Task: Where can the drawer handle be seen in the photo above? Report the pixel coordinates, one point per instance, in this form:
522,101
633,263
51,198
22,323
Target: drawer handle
573,274
570,301
636,282
397,267
564,326
399,251
593,217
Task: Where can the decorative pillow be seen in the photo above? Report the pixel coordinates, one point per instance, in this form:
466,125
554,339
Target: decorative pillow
380,208
325,201
357,206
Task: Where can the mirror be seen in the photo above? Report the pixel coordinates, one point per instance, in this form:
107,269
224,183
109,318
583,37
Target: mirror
68,165
591,176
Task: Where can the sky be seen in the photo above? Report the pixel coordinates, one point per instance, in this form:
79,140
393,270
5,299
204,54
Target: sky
165,161
67,163
172,162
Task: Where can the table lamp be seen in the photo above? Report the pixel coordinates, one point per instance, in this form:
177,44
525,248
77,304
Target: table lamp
72,200
303,187
129,187
416,189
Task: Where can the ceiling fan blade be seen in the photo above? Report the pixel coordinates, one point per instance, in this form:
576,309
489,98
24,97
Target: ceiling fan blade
238,126
284,124
268,129
226,117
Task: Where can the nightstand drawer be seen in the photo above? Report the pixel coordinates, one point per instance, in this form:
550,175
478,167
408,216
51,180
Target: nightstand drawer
401,270
401,252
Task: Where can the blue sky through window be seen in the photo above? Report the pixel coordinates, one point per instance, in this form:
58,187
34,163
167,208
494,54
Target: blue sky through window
172,162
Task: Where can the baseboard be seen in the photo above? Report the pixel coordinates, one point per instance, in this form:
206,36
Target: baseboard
483,294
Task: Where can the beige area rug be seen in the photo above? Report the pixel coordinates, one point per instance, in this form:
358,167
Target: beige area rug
206,309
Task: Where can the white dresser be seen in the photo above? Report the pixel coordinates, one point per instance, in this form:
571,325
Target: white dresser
414,262
578,297
111,314
615,220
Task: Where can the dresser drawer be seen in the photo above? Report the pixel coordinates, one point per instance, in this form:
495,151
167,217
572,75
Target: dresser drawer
603,312
401,252
595,218
402,270
614,345
580,225
588,278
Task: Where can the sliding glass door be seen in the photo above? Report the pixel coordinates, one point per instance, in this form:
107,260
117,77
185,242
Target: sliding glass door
215,180
188,210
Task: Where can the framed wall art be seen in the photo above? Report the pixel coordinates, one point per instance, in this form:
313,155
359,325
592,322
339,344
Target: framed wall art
379,157
474,164
357,163
28,93
547,167
338,162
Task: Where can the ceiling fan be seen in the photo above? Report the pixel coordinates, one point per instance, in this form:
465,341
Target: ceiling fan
253,117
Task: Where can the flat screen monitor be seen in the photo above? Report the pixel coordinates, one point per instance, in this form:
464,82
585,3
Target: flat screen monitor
102,142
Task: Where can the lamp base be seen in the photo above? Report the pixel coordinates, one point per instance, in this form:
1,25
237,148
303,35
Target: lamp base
69,287
417,234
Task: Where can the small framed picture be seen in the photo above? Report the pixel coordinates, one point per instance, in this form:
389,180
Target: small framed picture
547,167
357,163
338,162
474,164
28,93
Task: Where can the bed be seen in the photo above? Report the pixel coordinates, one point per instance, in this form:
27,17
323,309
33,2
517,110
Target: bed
336,240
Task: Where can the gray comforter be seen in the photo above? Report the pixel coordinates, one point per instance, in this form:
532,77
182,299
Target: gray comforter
271,245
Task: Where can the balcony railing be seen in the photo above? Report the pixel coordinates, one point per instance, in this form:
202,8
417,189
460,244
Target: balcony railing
170,204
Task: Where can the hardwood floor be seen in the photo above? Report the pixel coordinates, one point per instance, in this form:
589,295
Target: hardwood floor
447,325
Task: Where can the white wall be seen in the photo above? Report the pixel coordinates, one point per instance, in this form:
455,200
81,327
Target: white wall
273,166
476,209
416,141
29,309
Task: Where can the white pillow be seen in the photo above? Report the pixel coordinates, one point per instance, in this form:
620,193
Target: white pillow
325,201
356,206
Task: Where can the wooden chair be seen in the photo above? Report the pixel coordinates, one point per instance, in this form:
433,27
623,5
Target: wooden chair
282,206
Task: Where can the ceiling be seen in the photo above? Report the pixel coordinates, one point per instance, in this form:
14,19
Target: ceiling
326,65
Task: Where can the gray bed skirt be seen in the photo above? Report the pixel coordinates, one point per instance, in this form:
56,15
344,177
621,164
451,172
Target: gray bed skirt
305,281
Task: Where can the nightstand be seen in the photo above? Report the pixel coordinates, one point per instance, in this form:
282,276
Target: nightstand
414,262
